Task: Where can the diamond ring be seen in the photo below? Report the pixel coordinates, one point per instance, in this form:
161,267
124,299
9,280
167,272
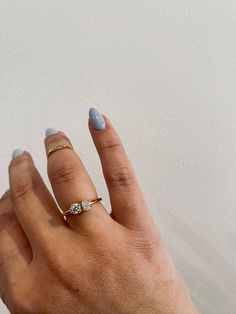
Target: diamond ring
78,208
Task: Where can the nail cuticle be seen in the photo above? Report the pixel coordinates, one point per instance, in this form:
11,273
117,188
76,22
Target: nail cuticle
50,131
17,152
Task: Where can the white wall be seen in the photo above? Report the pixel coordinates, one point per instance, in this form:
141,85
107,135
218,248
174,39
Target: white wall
165,73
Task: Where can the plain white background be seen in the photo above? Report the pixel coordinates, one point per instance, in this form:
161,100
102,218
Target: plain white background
164,72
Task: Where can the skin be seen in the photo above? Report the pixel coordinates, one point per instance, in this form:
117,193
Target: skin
93,262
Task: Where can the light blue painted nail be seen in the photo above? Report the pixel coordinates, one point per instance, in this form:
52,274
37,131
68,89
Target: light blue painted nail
96,119
17,152
50,131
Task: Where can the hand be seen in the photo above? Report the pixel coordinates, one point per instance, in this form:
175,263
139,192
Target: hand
93,262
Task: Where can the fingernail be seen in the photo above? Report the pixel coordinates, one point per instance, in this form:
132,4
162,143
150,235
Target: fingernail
97,120
50,131
17,152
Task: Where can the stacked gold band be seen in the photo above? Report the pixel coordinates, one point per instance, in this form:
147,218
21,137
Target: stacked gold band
58,147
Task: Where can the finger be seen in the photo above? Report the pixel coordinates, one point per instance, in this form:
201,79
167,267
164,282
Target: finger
5,195
35,208
71,183
15,249
128,205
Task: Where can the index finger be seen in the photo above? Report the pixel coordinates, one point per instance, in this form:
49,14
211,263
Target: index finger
128,205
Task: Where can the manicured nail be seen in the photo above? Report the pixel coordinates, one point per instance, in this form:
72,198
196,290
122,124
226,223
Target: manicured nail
96,119
50,131
17,152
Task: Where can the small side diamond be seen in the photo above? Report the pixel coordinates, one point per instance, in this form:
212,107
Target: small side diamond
85,205
75,208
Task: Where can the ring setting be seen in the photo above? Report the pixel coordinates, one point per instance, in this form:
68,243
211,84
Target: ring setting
75,208
83,206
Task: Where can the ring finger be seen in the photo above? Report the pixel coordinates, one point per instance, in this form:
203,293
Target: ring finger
71,183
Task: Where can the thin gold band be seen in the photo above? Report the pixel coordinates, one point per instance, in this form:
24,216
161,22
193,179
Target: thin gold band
55,148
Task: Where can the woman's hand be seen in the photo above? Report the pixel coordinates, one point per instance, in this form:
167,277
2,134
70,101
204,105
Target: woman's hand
93,262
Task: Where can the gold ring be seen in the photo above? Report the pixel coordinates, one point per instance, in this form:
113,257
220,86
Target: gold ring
55,148
77,208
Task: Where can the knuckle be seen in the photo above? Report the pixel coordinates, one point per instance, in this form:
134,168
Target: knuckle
147,244
24,187
110,145
121,177
29,178
59,265
63,172
53,257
